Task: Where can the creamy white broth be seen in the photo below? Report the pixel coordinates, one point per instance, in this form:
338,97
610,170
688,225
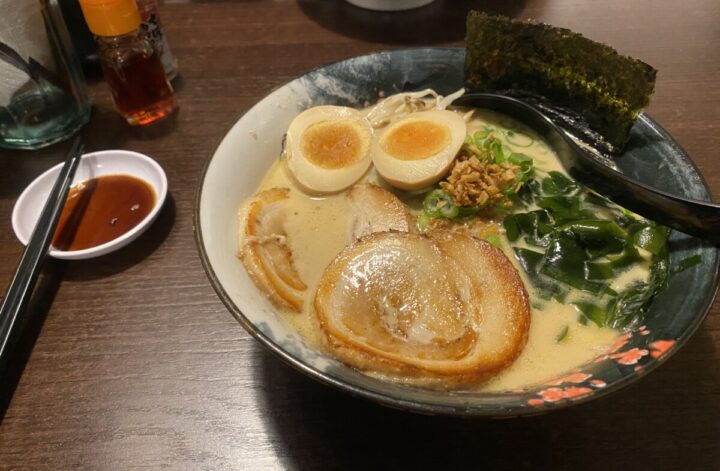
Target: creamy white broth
544,158
317,230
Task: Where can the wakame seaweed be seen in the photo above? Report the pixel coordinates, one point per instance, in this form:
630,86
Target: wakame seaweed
585,243
557,69
566,237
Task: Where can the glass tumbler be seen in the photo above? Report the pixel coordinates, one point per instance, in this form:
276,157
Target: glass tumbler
43,96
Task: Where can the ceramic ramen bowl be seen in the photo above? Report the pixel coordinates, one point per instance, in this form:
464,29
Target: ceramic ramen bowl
246,152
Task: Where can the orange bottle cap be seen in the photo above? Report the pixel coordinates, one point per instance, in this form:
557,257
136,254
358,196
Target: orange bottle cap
111,17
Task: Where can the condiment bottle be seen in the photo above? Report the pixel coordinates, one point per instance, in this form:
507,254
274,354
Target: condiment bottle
140,88
153,28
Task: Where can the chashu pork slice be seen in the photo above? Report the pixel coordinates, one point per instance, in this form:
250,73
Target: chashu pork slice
374,209
440,311
264,251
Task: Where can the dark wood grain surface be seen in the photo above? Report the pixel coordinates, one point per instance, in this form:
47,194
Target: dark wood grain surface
131,360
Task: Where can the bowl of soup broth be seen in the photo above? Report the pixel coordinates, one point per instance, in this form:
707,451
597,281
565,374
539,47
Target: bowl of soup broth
438,258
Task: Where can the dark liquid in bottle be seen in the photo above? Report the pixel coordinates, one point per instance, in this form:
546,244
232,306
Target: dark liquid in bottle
140,89
102,209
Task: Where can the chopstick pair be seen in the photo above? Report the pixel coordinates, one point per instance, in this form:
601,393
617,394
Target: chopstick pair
28,270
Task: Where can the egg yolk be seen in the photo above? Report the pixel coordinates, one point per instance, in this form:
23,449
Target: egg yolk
332,144
416,140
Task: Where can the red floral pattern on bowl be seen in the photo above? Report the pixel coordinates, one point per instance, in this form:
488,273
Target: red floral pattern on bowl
582,383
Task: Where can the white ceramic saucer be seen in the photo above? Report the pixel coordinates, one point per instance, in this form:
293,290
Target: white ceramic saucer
108,162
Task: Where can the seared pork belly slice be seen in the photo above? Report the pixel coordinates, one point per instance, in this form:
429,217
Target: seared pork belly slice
374,209
264,251
443,310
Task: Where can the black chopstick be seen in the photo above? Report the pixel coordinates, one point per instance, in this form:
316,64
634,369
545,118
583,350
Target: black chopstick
28,270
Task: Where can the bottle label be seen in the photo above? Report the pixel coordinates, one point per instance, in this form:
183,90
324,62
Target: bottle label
153,29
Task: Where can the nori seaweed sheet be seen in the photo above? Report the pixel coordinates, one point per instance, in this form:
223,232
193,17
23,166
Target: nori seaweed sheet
587,82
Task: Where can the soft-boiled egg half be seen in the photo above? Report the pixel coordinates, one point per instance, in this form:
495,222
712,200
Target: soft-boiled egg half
416,151
328,148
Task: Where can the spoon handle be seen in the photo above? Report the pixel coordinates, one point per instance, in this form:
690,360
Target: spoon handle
28,270
698,218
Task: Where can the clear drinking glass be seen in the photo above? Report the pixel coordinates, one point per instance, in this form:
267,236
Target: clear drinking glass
43,97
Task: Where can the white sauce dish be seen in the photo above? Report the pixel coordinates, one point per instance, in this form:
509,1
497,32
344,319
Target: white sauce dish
93,165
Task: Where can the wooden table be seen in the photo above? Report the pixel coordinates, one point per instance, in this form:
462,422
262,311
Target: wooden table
132,361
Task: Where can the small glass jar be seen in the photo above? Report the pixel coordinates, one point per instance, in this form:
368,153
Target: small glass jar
43,96
141,91
137,80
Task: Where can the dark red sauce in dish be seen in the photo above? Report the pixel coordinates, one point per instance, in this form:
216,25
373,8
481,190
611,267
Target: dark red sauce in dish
101,209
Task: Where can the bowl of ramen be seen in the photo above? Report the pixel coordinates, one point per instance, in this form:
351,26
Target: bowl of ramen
437,258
